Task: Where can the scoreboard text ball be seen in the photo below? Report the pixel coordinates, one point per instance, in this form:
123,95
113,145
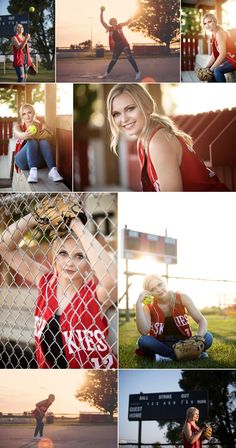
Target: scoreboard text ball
136,244
7,24
167,405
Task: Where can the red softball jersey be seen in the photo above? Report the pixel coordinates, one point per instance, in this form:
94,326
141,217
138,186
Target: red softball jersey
83,330
179,316
19,54
195,175
197,444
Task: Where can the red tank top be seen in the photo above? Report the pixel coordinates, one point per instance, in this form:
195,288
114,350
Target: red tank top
123,39
197,444
19,55
230,49
83,330
195,175
178,313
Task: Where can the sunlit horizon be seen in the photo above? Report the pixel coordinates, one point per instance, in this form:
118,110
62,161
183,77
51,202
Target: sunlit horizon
20,390
76,23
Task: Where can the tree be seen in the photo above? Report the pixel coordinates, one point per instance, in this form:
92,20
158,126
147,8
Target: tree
159,20
9,96
221,386
41,28
100,390
191,21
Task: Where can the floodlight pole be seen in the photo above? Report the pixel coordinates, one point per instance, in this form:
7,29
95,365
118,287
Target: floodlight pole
127,313
167,266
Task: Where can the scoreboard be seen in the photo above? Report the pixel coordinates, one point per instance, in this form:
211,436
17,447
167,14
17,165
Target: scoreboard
136,244
7,24
167,405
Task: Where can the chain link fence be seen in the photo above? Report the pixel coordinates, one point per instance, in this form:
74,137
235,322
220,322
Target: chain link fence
58,289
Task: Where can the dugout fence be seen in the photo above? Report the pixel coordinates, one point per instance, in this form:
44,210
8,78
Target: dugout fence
160,445
18,294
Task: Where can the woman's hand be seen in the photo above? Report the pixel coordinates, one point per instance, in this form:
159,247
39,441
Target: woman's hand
143,316
142,296
28,134
27,37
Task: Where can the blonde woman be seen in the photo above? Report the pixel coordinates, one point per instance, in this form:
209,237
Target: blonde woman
74,292
163,322
191,432
118,44
39,413
33,149
167,159
223,56
21,54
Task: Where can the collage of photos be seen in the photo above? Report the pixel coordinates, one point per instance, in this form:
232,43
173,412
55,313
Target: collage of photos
117,304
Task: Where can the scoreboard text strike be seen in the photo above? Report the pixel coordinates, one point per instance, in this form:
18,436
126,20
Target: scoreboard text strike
167,405
136,244
7,24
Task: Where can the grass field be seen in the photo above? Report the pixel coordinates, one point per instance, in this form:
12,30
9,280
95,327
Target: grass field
222,354
42,76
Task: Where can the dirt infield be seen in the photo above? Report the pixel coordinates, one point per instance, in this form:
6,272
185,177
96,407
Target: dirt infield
161,69
83,436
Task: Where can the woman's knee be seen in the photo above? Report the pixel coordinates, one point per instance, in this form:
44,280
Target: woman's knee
144,342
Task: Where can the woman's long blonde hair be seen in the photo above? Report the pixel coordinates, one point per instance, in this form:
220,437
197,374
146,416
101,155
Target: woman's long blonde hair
148,280
148,106
190,412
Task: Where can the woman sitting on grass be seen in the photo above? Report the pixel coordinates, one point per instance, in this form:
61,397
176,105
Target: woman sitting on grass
163,322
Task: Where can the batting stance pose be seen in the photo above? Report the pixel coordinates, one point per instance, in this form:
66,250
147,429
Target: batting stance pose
118,44
39,413
163,323
73,293
193,435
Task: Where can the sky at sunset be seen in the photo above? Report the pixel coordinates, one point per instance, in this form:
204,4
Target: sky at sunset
76,23
21,389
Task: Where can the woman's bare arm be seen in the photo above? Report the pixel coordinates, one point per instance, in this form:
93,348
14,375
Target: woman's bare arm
15,257
163,152
103,21
22,44
190,437
195,314
221,40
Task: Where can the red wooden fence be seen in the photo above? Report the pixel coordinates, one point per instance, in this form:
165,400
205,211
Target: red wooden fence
6,127
189,50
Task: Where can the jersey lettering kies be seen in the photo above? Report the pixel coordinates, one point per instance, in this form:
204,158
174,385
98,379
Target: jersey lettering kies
83,329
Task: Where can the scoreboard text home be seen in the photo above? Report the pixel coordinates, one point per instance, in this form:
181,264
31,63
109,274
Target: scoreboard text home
166,405
137,244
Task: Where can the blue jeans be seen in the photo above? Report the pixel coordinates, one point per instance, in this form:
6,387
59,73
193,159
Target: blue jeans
225,67
21,71
35,153
151,346
39,427
119,48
